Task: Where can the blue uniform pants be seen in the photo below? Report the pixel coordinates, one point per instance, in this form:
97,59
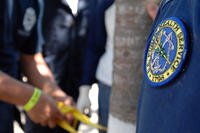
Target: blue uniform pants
104,97
6,118
31,127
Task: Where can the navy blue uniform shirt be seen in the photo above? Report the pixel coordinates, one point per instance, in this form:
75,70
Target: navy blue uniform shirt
18,32
174,107
96,40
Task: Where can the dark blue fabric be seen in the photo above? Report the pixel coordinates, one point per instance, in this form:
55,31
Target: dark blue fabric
175,108
59,36
103,100
13,37
13,41
96,40
65,38
26,41
31,127
6,118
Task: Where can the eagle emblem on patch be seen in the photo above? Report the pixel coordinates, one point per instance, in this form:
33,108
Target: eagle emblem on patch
166,51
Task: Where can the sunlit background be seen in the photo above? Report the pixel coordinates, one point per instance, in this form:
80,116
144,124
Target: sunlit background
73,5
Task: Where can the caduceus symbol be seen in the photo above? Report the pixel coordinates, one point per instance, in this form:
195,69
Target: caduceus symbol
160,49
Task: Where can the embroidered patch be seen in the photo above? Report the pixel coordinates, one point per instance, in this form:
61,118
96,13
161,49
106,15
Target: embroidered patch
29,19
166,51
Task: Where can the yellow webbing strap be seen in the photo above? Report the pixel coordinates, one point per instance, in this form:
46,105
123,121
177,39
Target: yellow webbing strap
78,116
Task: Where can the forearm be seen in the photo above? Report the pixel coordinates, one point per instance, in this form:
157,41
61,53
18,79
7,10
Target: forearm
42,110
38,73
13,91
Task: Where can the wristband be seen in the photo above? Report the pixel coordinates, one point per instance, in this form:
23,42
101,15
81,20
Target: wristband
33,100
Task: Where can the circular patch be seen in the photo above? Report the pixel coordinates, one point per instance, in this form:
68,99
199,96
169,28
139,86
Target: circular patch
29,19
165,52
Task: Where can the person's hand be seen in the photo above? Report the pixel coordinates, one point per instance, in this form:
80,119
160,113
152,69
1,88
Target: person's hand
46,112
152,8
83,99
61,96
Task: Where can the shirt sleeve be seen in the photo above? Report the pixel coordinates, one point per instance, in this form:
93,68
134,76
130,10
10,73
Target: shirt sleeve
29,34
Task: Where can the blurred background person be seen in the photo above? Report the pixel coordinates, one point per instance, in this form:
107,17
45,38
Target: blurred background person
99,58
65,25
19,51
65,31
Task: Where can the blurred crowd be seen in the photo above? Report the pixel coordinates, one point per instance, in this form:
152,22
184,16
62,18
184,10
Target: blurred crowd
61,48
